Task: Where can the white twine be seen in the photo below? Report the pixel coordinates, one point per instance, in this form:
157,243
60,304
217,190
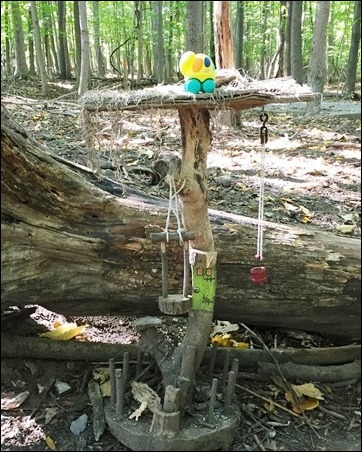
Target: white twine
259,246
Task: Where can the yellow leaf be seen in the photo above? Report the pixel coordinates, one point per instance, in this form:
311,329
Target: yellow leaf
64,332
240,344
50,443
105,389
308,389
223,341
304,397
305,219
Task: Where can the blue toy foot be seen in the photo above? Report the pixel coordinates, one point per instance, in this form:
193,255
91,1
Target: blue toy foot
192,86
208,86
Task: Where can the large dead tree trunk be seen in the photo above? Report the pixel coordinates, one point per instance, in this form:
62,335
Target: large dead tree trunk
74,248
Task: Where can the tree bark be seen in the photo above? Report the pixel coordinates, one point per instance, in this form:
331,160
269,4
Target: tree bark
353,52
85,52
296,57
74,248
39,50
21,68
194,27
317,67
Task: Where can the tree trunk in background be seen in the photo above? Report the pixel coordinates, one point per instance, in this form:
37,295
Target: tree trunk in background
8,64
50,67
138,11
224,58
264,7
96,37
39,50
288,40
331,42
21,68
75,249
31,46
85,59
50,30
170,48
353,52
194,27
77,40
296,64
224,55
64,64
158,47
276,66
239,35
317,67
211,25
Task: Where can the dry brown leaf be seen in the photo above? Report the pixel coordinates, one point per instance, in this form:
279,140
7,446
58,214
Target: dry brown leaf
303,397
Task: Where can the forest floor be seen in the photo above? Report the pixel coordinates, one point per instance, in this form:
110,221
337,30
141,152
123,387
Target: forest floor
312,179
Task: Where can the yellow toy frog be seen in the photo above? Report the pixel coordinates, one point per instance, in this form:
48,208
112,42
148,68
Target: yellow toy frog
199,72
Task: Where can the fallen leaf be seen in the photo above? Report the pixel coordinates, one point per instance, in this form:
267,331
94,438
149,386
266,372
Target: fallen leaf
50,443
222,340
15,402
223,327
303,397
346,228
64,332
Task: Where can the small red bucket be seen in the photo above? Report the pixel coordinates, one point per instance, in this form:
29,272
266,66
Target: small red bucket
258,275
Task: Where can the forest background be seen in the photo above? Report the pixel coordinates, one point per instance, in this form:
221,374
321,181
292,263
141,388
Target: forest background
139,40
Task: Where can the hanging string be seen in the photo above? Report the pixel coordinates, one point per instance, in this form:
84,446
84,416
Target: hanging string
263,141
173,195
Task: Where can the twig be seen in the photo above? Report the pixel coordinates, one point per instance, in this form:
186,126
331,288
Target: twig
258,442
266,399
42,398
332,413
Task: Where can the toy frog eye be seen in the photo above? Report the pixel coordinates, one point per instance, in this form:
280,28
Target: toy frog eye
197,64
207,62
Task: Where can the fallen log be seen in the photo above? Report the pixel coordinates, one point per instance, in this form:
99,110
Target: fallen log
41,348
76,249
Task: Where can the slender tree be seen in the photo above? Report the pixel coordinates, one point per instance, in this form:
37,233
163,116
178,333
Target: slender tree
296,57
239,34
138,12
7,40
224,57
194,28
31,45
276,67
64,63
158,47
317,67
21,68
85,53
39,50
353,52
97,42
77,39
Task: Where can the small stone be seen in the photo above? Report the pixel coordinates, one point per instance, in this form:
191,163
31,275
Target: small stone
79,425
225,181
62,387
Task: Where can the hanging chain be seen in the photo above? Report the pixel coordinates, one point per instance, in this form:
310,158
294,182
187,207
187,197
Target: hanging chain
263,140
